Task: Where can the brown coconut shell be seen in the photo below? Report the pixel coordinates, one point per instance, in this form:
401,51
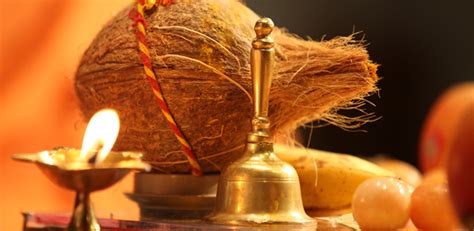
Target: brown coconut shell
200,51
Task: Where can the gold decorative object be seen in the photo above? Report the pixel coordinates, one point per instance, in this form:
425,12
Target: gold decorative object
174,196
65,168
92,168
259,188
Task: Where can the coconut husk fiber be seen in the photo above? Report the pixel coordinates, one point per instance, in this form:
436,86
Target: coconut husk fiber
200,51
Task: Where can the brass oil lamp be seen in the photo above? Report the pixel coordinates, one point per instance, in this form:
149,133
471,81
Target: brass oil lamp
259,188
88,170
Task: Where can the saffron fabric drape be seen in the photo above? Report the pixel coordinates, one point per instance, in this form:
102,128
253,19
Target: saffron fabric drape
41,43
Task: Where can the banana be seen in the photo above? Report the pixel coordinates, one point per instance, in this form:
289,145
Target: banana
328,180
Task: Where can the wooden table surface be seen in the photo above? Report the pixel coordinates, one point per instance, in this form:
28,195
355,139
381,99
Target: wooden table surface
41,221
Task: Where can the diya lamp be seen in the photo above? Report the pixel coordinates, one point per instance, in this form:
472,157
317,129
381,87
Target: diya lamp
90,169
259,188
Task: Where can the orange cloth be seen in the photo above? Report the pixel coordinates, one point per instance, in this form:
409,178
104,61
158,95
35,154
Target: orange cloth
41,44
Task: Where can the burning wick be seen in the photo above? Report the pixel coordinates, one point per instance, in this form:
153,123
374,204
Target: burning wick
96,151
100,136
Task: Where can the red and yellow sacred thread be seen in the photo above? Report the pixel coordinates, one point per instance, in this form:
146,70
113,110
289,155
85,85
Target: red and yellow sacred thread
138,16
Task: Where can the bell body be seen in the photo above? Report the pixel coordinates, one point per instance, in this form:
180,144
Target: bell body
259,188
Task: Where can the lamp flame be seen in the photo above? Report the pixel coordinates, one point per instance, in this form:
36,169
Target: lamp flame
101,134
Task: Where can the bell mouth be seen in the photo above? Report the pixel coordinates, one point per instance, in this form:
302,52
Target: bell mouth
292,217
262,220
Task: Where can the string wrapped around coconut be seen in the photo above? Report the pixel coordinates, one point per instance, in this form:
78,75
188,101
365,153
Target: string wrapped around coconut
200,51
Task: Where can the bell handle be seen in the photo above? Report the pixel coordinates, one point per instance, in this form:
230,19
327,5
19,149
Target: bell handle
262,62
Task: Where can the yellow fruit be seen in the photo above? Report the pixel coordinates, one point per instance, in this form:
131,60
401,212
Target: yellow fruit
332,183
404,170
437,175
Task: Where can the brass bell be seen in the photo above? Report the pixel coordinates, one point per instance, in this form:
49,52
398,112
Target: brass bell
259,188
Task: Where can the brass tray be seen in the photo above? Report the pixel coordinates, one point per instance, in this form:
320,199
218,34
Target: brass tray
173,207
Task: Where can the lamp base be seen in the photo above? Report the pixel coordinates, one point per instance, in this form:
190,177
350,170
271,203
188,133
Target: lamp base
83,217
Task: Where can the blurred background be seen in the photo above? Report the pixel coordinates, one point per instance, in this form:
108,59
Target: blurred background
423,48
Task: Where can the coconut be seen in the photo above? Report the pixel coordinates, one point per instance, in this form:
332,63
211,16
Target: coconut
200,51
